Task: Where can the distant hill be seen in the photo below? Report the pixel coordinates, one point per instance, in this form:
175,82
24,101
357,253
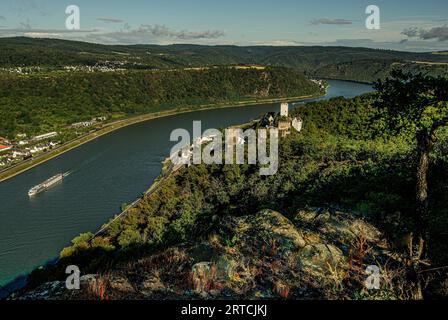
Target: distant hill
359,64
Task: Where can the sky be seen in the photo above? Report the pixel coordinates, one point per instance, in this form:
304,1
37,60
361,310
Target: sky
409,25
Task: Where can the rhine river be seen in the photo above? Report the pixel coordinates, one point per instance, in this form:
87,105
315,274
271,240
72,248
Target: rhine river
112,170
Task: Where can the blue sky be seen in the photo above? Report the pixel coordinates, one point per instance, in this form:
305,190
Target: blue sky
405,25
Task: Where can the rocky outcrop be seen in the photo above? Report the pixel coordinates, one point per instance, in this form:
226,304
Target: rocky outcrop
314,254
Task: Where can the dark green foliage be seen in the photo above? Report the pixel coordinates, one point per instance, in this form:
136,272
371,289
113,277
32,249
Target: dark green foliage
355,118
417,103
327,165
44,102
372,69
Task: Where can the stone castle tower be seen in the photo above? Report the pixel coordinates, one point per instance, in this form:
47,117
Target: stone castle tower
284,109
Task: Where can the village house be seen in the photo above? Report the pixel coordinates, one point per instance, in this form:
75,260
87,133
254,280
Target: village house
45,136
320,83
23,142
4,148
100,119
297,123
86,124
268,120
17,154
4,140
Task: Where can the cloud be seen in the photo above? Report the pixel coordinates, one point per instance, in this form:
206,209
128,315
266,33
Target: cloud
145,34
317,22
439,33
163,31
209,34
25,25
435,33
411,32
110,20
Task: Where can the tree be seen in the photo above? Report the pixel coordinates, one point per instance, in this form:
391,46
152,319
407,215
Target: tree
420,103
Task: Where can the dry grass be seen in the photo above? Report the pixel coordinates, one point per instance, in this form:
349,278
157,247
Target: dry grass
204,280
282,289
98,289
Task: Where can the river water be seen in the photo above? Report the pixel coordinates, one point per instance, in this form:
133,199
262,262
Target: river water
112,170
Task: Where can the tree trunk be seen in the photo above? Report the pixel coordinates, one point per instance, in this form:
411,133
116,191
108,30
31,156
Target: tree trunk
424,146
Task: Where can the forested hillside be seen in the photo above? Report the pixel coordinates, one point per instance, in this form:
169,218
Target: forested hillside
46,101
368,69
359,64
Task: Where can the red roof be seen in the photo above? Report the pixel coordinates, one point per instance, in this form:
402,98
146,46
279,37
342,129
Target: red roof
4,147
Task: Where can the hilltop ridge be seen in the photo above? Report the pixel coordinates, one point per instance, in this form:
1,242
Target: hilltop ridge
345,63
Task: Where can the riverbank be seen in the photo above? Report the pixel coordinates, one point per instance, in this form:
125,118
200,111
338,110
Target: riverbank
113,126
352,81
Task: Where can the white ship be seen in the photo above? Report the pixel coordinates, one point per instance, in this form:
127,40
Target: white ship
47,184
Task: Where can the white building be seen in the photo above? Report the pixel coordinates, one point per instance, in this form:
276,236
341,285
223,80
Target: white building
284,109
45,136
297,124
17,154
84,124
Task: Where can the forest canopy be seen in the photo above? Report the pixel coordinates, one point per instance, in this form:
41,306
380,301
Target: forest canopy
41,102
